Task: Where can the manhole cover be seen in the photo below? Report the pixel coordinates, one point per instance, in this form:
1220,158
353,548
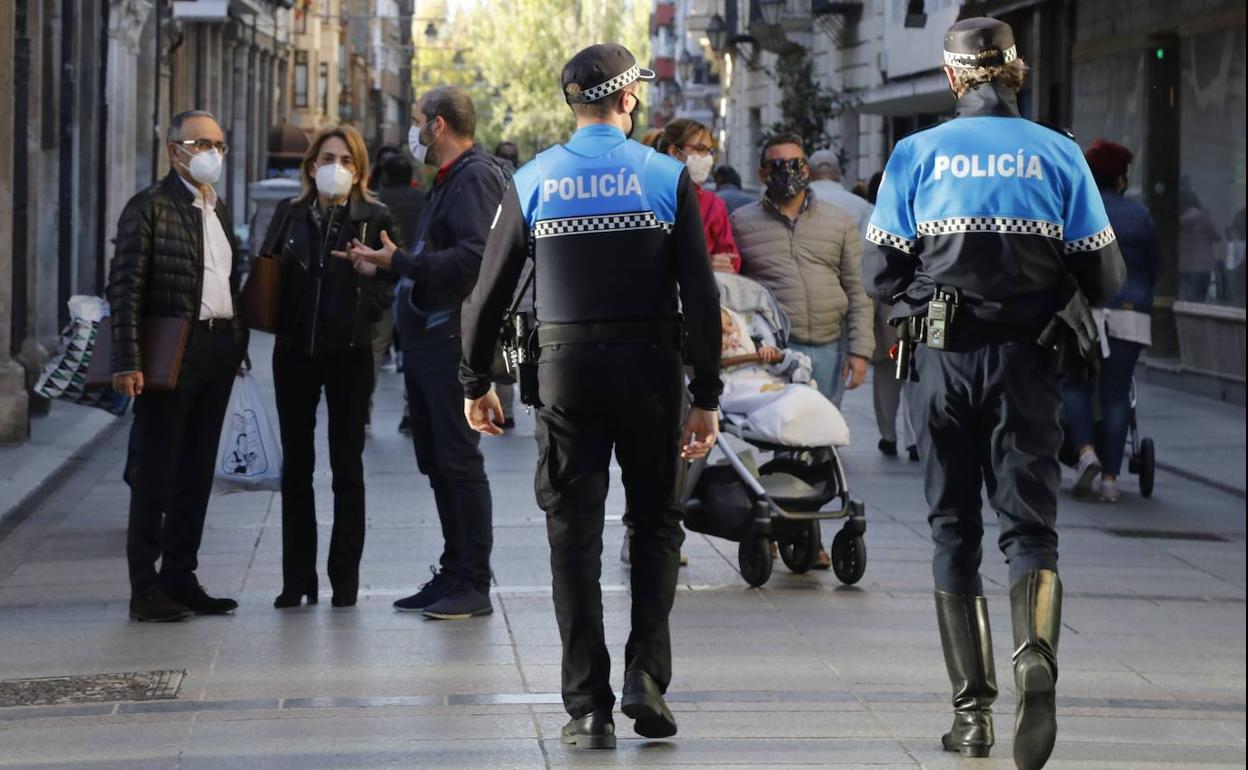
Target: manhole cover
1167,534
91,688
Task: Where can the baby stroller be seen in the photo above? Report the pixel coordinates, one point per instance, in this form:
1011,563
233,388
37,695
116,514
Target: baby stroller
1141,454
755,491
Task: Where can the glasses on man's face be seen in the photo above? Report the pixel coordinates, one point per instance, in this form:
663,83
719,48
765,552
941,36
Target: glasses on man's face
203,145
699,149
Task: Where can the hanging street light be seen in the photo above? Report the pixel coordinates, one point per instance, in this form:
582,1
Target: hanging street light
773,11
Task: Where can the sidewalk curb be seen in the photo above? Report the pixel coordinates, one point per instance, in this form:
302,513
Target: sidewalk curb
12,518
1199,479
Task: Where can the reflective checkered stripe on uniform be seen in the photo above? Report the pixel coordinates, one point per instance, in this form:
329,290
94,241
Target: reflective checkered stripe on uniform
885,238
1005,225
640,220
1098,240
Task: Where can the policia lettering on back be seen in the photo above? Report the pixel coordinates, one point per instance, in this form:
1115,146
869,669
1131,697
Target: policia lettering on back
979,224
616,238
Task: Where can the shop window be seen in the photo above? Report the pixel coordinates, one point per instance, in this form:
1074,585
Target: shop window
1211,171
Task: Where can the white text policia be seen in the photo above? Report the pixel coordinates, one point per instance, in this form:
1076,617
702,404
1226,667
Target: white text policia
990,165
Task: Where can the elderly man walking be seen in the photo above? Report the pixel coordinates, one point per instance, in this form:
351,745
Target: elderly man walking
809,254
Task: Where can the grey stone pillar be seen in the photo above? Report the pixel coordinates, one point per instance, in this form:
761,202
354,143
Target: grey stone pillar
14,407
128,118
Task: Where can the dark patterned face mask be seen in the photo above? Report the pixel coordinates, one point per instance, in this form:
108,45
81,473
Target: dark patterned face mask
787,178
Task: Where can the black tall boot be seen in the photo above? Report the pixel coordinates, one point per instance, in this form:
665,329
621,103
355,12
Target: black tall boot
967,642
1036,606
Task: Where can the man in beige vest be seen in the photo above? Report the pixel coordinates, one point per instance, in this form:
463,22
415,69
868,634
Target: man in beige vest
809,254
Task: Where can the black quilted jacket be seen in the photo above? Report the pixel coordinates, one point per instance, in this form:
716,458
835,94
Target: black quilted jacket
158,268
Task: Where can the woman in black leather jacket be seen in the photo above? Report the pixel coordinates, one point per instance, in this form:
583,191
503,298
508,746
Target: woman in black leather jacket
327,313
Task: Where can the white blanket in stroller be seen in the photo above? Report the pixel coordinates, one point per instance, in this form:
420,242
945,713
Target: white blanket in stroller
785,414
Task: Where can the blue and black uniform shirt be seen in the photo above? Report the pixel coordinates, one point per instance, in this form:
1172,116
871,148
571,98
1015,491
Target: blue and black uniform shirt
616,236
996,206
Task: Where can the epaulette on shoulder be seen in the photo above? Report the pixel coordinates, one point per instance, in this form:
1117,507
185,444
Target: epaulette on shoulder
1066,132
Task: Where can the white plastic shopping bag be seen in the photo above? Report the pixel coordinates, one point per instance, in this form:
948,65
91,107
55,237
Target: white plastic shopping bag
249,457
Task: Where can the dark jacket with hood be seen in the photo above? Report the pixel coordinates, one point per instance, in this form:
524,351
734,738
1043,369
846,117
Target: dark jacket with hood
440,268
158,267
327,307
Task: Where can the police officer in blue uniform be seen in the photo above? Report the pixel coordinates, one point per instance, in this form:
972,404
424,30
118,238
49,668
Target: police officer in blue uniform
616,238
979,224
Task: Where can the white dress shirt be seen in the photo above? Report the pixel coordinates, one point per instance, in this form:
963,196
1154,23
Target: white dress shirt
217,302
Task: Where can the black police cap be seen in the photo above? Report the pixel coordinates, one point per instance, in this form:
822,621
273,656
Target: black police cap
599,71
979,42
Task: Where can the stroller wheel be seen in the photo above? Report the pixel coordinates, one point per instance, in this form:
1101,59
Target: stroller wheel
849,557
1148,467
754,559
801,554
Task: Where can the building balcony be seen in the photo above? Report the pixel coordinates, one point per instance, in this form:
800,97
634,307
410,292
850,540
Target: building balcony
665,68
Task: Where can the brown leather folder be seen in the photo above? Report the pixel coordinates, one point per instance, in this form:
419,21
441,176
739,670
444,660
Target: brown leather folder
163,343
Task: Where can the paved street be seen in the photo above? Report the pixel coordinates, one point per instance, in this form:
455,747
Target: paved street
802,673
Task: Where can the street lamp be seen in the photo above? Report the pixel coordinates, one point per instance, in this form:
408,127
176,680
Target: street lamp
715,32
773,11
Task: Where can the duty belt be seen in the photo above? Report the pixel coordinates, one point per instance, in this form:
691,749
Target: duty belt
609,333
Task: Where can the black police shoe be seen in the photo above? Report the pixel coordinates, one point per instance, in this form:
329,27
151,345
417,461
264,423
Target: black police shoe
592,731
197,600
888,448
643,703
460,602
429,593
155,607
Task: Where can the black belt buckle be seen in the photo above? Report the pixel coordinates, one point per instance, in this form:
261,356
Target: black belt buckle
941,311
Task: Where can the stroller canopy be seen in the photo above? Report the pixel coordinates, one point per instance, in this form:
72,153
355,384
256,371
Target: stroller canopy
756,304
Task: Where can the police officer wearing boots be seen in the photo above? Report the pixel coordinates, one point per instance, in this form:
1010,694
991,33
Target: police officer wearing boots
979,224
616,238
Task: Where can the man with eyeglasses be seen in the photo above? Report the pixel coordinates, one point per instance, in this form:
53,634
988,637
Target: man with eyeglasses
174,259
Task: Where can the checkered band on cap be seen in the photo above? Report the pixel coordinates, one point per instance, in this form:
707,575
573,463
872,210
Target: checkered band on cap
1009,225
1098,240
639,220
885,238
611,86
968,60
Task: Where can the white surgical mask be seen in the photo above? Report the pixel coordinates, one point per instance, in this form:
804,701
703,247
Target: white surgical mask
420,151
699,167
334,181
205,167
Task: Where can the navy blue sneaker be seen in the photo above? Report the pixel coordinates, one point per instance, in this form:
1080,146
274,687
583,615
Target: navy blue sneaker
428,594
461,602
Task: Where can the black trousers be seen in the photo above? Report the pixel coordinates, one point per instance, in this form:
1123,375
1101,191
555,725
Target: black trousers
347,380
987,418
595,398
172,459
448,452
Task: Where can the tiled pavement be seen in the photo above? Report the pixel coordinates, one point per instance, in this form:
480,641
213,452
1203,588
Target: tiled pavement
803,673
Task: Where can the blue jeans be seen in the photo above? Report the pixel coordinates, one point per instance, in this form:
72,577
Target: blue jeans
829,361
1115,401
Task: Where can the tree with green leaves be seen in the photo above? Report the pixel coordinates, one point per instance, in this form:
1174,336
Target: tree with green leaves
519,48
807,106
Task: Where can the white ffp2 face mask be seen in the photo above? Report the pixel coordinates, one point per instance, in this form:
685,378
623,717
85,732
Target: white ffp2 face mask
205,167
420,151
334,181
699,167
